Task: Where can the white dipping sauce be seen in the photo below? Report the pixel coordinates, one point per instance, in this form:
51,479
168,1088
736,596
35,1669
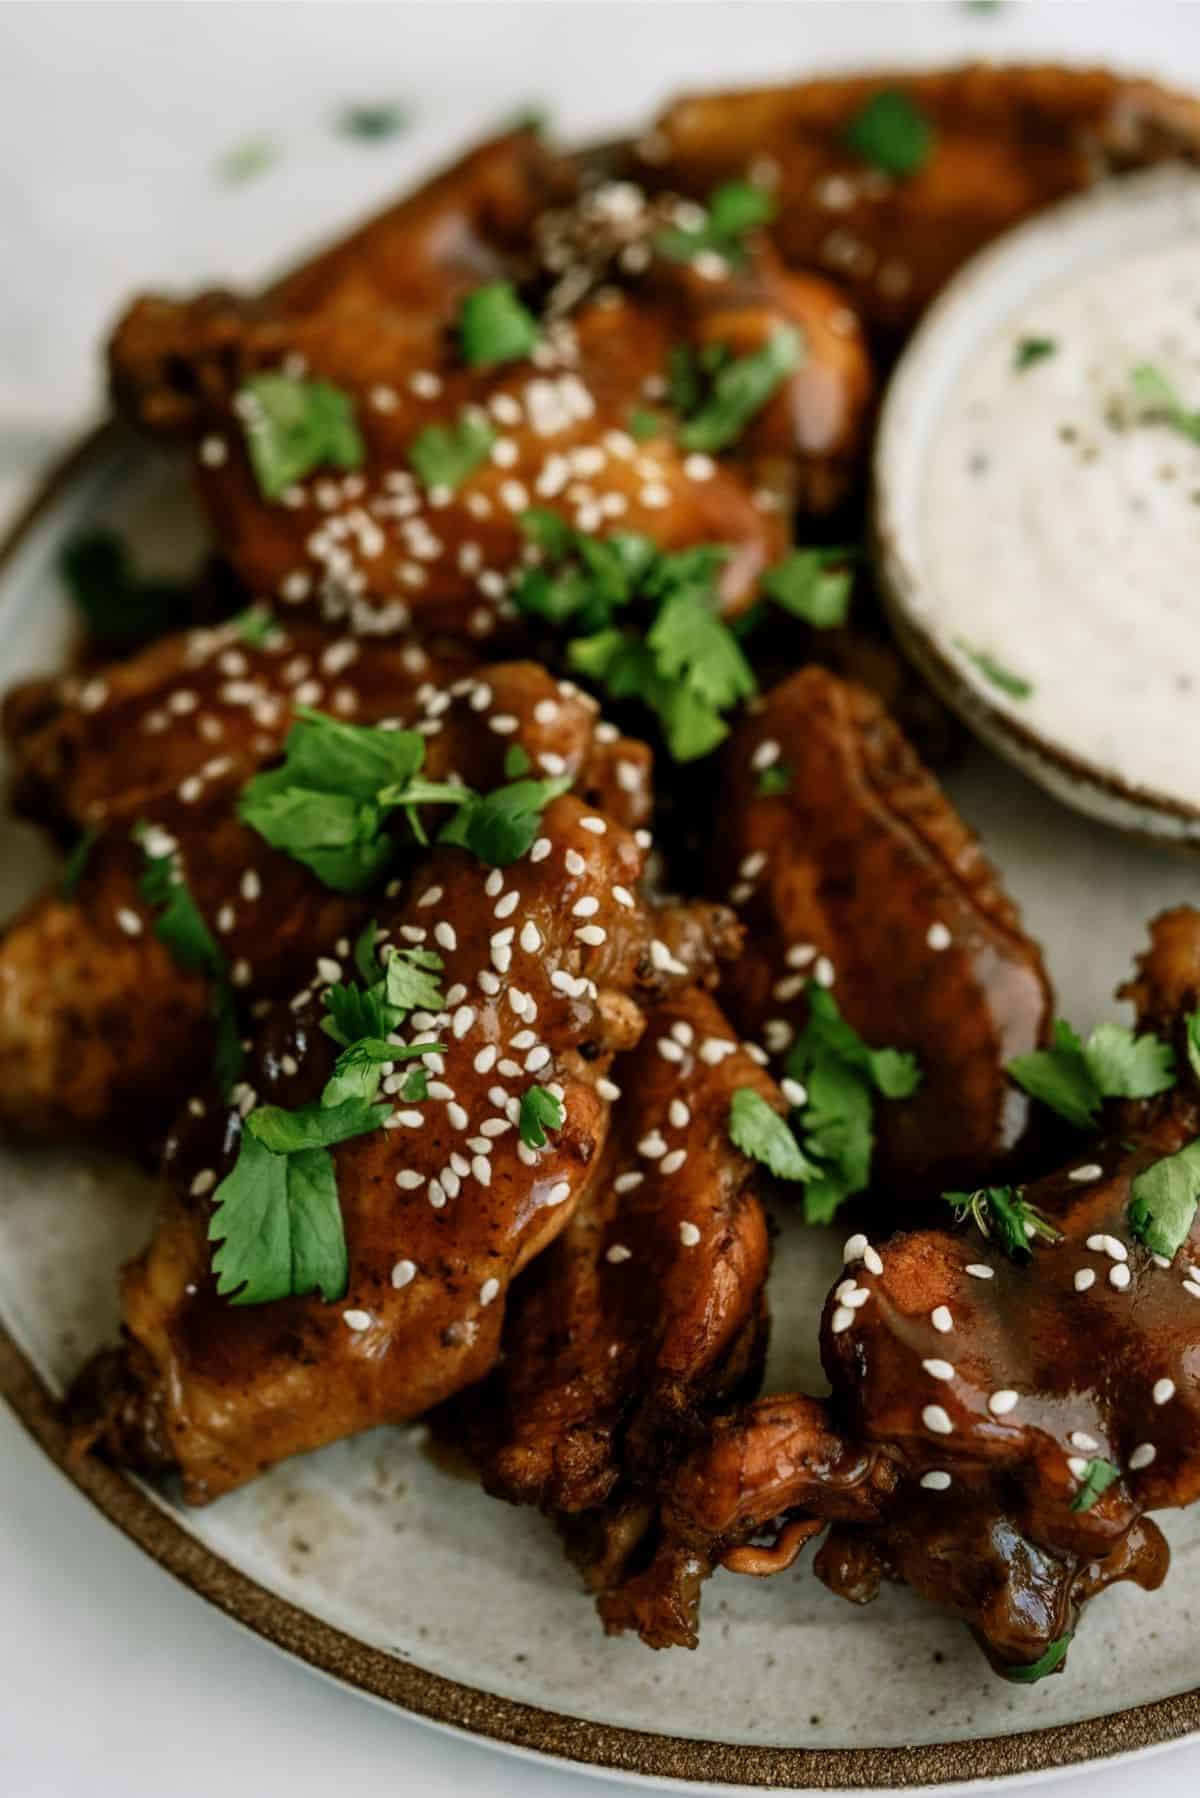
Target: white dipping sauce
1061,527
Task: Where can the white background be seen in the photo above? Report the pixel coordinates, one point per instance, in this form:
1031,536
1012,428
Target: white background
114,1682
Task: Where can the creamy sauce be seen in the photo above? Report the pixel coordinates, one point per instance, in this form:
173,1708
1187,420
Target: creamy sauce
1061,525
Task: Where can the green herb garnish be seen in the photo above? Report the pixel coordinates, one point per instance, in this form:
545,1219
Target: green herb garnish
841,1075
758,1131
541,1110
718,395
1003,1212
447,455
1049,1662
516,762
1029,350
733,210
1096,1481
494,327
814,585
179,925
500,826
891,133
645,424
294,426
1192,1039
1014,684
246,160
76,863
1162,403
328,804
1075,1078
1163,1201
256,626
774,780
642,624
118,605
373,122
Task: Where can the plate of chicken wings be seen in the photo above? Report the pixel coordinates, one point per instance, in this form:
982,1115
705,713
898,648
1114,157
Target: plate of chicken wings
536,1119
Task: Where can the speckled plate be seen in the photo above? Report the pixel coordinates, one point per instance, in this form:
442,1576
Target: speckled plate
375,1565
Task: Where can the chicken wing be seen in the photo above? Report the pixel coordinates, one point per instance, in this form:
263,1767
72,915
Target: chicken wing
855,871
444,1204
1004,143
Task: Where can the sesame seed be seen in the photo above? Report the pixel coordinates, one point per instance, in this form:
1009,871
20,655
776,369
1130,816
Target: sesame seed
531,938
1119,1276
537,1059
765,754
608,1090
1164,1391
540,850
328,970
872,1260
689,1235
507,904
669,1049
938,1370
841,1320
979,1270
936,1480
457,1115
1086,1444
1084,1278
938,937
1143,1455
446,935
592,934
679,1114
1192,1287
1091,1170
204,1182
853,1250
412,1120
494,883
129,921
587,907
617,1252
652,1146
823,973
1078,1466
627,1182
752,865
793,1091
935,1418
403,1273
672,1163
714,1050
408,1179
624,897
942,1320
430,896
597,826
357,1320
489,1290
1002,1402
558,1192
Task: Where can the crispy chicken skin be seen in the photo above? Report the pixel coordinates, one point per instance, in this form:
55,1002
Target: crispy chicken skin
378,549
87,993
223,1392
861,873
1007,141
650,1305
972,1393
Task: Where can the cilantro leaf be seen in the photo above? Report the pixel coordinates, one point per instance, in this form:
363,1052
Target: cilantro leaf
358,1069
326,805
1029,350
691,645
373,121
278,1226
76,863
447,455
812,584
774,780
646,424
891,133
1049,1662
1192,1035
541,1110
180,926
294,426
839,1072
252,157
1004,1212
494,327
1014,684
1162,403
1096,1481
516,762
355,1013
411,980
255,626
501,825
314,1126
416,1087
119,607
1163,1200
734,209
758,1131
1074,1078
739,390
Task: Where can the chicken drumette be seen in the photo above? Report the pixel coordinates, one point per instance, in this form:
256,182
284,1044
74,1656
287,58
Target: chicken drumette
445,1202
998,1428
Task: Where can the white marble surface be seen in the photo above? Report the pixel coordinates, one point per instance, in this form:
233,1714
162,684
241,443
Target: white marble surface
114,1682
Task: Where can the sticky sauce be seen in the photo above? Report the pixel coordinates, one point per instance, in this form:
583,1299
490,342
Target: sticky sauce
1061,521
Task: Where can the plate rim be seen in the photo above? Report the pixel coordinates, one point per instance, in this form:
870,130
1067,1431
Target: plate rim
433,1698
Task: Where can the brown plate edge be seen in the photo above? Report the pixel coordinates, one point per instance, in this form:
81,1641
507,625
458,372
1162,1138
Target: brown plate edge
483,1715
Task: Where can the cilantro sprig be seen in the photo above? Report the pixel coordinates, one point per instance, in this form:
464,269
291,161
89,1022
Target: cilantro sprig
1003,1213
448,455
293,427
1163,1201
717,394
813,585
841,1075
494,326
499,827
541,1110
891,133
733,210
179,924
643,625
1074,1078
277,1220
759,1131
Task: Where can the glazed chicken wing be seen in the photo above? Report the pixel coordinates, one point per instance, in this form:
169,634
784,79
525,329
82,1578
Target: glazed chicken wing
1004,143
87,991
445,1203
998,1427
856,872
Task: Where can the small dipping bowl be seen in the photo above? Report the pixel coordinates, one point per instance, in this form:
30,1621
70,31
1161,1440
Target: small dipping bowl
1036,505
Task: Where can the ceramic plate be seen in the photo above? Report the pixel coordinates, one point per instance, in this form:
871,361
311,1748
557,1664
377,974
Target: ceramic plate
378,1566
